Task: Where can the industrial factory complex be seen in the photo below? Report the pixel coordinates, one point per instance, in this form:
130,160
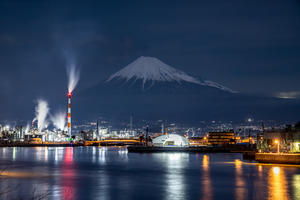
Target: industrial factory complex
284,140
281,145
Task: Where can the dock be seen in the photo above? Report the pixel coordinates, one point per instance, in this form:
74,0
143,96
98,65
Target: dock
278,158
192,149
113,142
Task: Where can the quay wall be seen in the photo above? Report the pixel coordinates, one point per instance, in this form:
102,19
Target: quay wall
199,149
283,158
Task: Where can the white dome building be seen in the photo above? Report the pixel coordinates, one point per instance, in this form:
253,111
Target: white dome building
170,140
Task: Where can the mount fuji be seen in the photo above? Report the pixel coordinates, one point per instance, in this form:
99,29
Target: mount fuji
150,70
151,89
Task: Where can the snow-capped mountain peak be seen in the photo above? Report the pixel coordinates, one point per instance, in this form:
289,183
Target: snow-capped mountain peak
152,69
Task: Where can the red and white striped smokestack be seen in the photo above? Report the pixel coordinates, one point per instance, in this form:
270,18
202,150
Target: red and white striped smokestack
69,114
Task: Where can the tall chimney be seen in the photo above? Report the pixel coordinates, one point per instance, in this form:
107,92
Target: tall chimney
69,114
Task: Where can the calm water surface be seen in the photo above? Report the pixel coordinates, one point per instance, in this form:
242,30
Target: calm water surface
113,173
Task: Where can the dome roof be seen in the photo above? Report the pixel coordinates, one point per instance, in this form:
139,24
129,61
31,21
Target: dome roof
170,140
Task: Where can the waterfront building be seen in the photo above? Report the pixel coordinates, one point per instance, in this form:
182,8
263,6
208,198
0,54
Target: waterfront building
30,137
288,139
170,140
198,141
221,138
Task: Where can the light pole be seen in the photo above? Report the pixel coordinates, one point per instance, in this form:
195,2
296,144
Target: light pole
277,142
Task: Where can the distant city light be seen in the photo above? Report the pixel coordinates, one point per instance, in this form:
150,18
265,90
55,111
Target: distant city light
278,143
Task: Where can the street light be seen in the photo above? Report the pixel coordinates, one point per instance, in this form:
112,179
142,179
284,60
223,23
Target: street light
277,142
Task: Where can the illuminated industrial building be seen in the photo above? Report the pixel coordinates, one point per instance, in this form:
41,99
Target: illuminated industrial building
198,141
220,138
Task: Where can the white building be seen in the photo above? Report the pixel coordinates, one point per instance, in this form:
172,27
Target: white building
170,140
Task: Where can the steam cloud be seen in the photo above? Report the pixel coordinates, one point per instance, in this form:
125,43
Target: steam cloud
27,128
73,76
59,120
41,112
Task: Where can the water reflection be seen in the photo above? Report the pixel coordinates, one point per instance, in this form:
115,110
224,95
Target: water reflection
240,185
94,154
259,183
46,154
277,184
175,177
38,153
123,153
68,174
206,182
56,155
112,173
102,155
174,163
14,154
296,186
103,182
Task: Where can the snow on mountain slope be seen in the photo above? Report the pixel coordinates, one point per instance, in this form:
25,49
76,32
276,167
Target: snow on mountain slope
152,69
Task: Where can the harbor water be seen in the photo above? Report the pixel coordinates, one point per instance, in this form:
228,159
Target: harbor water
113,173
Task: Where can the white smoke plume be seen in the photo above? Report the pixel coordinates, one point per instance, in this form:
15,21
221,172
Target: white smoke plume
27,128
73,76
41,112
59,120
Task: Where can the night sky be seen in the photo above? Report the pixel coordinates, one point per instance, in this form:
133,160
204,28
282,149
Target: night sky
250,46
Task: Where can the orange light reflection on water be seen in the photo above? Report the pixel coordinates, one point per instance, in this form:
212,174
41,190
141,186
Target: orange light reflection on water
275,176
22,174
205,162
206,179
259,184
277,184
296,186
240,185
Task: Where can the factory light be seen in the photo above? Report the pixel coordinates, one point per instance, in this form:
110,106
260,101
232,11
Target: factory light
277,142
276,170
